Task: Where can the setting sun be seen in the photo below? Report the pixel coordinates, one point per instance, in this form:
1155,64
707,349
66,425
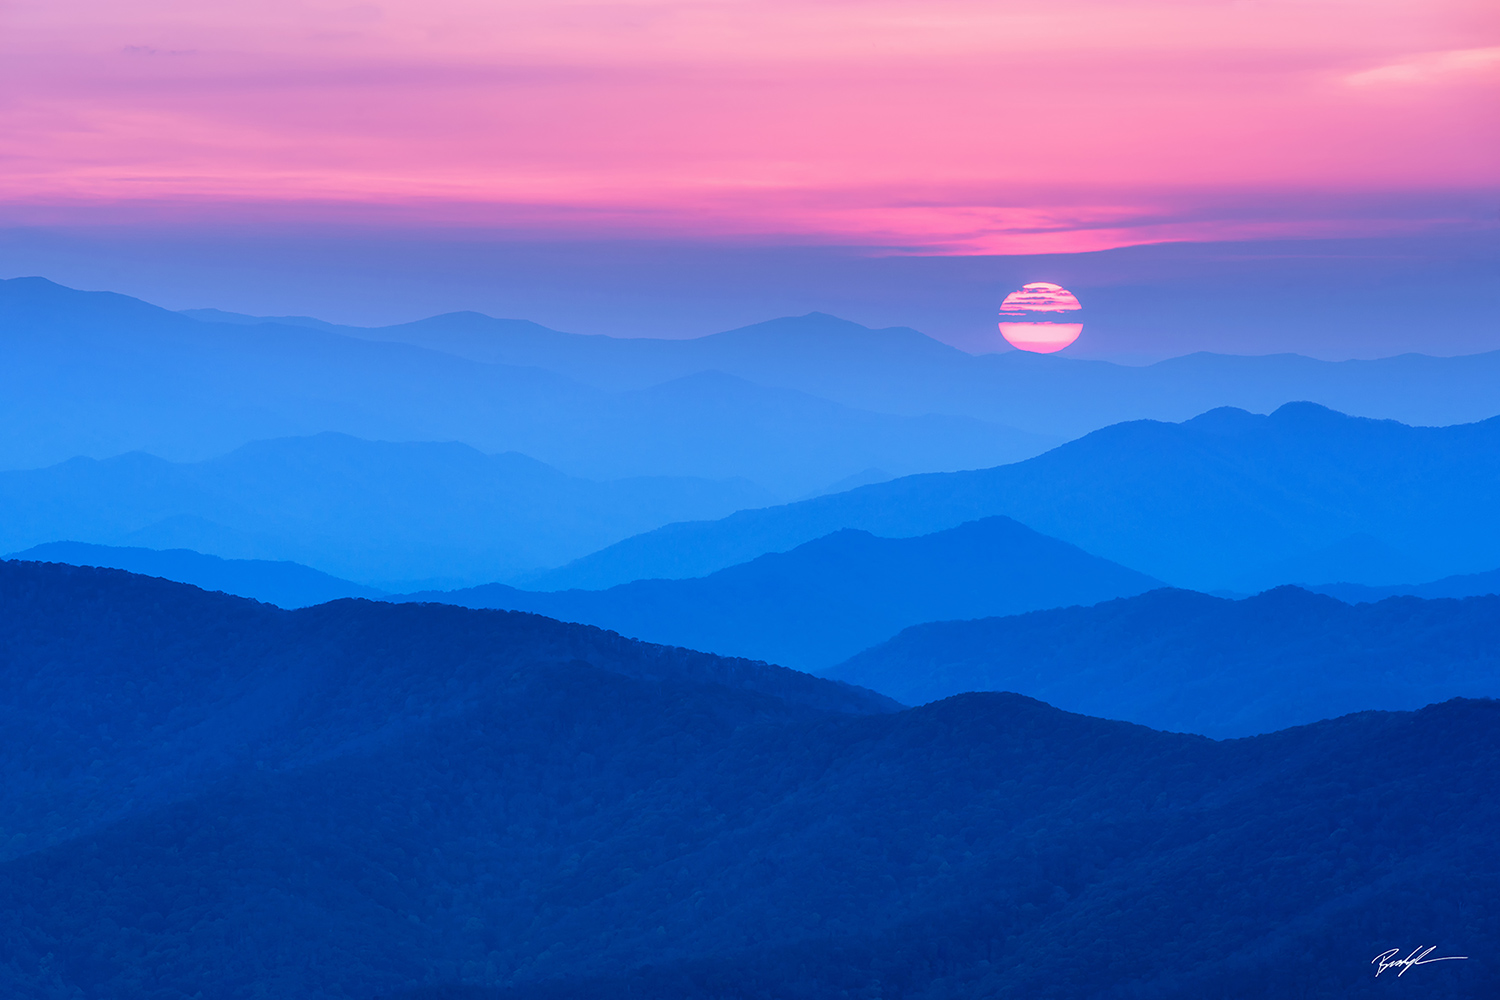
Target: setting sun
1040,336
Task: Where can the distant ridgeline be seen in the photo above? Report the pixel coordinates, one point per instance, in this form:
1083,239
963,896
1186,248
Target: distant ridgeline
380,513
464,450
828,599
793,405
1188,662
210,797
186,390
1227,500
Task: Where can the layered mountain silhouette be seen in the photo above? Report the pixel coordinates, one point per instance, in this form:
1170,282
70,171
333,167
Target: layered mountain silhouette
1227,500
794,403
241,319
97,374
827,599
284,584
170,688
210,796
368,511
1189,662
1463,585
899,370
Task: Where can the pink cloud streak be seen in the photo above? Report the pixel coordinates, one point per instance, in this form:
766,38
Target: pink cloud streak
957,126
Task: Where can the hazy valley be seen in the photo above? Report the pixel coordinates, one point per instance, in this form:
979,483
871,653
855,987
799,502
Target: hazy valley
732,667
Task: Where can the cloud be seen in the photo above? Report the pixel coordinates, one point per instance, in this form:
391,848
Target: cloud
922,123
1428,67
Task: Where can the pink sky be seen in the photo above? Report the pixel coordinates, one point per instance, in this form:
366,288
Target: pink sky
947,125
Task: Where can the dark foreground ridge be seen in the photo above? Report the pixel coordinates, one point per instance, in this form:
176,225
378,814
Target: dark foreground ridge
285,584
210,797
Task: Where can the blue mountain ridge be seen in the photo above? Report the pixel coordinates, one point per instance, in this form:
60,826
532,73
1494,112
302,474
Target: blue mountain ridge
1328,298
1462,585
378,513
211,796
900,370
284,584
829,598
1227,500
1188,662
98,375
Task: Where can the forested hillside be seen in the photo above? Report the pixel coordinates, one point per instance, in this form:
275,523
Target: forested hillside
210,797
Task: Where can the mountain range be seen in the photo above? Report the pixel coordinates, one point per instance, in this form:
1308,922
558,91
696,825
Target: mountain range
208,796
902,371
1462,585
374,512
827,599
1228,500
512,703
793,404
95,374
292,585
1364,297
1189,662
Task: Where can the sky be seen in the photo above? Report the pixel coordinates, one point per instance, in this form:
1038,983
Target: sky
679,167
907,126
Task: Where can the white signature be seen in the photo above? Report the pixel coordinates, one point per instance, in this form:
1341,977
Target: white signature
1389,960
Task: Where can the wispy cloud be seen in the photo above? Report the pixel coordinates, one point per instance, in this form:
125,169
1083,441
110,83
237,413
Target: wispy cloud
1429,67
834,119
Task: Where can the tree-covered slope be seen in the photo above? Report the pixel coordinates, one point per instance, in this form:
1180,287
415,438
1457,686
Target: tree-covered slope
118,692
432,799
284,584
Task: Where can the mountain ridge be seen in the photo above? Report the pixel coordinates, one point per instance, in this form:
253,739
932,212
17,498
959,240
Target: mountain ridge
283,583
1190,662
1216,502
369,511
1462,585
364,799
900,370
824,600
158,381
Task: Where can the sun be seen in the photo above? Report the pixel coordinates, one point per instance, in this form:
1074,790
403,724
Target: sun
1038,335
